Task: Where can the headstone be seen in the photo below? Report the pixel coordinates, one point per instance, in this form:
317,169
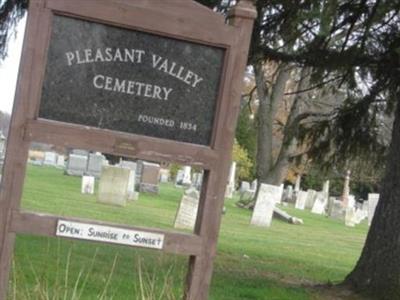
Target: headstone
186,180
95,164
337,211
61,161
372,203
247,196
187,213
311,194
50,158
325,189
80,152
113,185
351,201
329,209
87,186
319,204
289,194
132,194
297,184
179,178
301,200
150,174
230,188
254,185
131,165
268,196
349,218
197,180
244,186
77,165
360,215
192,192
164,175
284,216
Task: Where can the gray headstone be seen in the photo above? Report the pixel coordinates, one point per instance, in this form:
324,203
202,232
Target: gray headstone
113,186
131,165
150,176
80,152
95,165
192,192
338,212
247,195
179,177
77,165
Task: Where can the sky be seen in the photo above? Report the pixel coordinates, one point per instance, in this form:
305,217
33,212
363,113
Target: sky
9,69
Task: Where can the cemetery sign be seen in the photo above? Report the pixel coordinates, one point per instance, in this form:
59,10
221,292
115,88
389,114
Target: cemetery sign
148,80
131,81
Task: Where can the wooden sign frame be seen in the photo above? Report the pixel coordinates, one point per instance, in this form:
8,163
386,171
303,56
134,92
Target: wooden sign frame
184,20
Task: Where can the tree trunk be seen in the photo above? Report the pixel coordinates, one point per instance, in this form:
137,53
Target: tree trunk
267,110
378,270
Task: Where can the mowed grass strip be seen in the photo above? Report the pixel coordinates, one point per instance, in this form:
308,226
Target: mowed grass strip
252,263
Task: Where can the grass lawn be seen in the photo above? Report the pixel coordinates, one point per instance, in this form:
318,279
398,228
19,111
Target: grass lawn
252,263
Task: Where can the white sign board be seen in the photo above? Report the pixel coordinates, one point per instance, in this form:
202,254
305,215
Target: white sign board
107,234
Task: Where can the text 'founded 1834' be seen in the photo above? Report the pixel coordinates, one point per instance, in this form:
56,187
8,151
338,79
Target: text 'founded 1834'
130,81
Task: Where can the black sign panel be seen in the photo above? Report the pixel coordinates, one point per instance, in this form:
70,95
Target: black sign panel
130,81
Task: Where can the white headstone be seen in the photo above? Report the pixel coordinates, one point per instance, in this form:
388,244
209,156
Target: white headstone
349,218
132,195
311,194
319,204
301,200
325,191
187,213
351,201
244,186
50,158
113,185
268,196
87,186
254,185
61,161
164,175
197,180
186,180
297,184
231,181
372,203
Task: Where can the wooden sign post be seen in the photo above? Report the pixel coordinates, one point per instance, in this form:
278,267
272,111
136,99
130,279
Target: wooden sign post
158,80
